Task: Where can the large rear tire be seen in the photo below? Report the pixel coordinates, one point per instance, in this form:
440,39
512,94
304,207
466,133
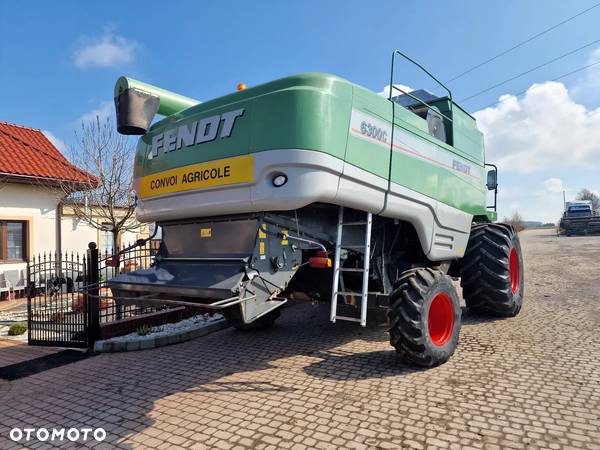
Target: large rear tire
492,271
424,317
234,317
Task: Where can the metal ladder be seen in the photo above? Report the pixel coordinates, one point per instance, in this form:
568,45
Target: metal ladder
337,270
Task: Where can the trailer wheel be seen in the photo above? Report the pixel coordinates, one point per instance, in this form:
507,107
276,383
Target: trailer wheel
234,317
424,317
492,271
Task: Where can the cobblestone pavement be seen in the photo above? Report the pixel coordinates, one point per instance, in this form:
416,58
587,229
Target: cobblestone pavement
528,382
13,351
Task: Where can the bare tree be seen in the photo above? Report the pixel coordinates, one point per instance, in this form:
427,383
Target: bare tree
105,197
586,194
515,220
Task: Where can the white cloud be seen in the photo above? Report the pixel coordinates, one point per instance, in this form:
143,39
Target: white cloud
532,200
58,143
553,185
103,111
386,90
108,50
545,129
587,88
545,142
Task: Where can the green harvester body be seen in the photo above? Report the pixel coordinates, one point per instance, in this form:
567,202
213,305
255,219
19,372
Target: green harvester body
252,191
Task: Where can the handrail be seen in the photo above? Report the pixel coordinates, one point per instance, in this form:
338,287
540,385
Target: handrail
427,105
420,67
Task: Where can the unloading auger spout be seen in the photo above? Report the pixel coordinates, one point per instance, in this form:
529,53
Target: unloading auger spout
137,103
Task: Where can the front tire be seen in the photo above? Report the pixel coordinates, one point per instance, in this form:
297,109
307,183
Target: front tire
234,318
492,271
424,317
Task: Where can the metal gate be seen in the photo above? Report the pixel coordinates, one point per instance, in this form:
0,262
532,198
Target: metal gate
67,295
57,306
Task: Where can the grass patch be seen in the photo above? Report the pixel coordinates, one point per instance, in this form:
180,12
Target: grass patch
143,330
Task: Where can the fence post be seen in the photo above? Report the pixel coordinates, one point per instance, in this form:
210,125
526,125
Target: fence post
30,294
117,271
92,301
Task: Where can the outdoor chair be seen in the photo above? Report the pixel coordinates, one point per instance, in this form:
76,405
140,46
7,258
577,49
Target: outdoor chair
4,284
16,280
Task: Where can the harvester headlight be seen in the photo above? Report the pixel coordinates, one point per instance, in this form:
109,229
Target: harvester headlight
279,180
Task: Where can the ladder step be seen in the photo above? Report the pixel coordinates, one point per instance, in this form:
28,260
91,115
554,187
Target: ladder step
347,293
350,319
359,293
338,282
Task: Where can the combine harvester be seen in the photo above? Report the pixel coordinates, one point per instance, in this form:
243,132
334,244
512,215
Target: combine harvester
312,184
579,219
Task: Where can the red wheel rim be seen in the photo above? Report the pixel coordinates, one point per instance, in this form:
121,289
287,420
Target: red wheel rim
441,319
513,269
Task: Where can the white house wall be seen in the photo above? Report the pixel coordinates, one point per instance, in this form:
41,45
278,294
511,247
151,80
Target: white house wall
37,206
129,237
76,234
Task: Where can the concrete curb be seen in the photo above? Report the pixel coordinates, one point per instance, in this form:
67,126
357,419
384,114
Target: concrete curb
107,346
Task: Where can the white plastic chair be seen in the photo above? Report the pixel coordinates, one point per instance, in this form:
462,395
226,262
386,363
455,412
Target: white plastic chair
4,284
15,280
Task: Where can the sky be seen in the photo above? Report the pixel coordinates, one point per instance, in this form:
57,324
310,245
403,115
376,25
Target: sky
59,62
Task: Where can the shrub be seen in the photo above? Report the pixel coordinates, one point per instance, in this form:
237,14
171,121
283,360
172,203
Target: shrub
143,330
17,329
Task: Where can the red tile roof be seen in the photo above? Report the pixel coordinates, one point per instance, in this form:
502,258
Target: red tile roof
26,152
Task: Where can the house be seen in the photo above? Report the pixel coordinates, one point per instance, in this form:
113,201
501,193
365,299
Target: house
34,216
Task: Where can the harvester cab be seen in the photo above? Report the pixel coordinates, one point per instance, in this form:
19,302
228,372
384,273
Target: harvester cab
311,186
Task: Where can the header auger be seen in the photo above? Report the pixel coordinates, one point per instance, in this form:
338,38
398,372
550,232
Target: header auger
313,184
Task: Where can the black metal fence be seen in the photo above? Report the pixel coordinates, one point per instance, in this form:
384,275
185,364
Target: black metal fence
68,297
55,303
129,259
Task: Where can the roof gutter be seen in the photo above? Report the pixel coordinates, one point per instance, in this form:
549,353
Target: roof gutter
33,179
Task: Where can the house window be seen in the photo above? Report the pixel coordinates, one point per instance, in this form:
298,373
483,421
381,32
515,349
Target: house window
13,240
107,239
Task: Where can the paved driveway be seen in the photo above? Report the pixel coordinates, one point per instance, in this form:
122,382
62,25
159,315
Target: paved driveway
532,381
13,351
